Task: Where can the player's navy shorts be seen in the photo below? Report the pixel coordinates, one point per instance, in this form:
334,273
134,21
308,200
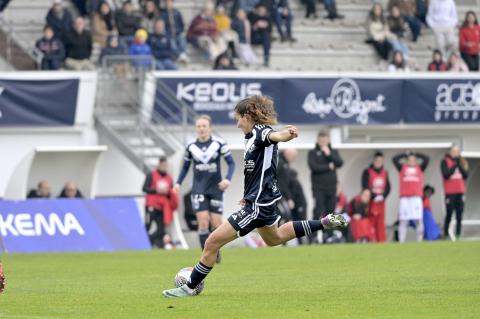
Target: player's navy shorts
211,202
252,216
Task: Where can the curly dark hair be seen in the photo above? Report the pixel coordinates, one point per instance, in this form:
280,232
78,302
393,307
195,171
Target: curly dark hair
259,107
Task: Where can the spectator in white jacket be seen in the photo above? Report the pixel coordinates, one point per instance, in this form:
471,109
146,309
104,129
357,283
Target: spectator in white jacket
442,19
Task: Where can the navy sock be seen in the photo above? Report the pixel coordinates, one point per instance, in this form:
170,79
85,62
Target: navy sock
306,227
202,236
198,274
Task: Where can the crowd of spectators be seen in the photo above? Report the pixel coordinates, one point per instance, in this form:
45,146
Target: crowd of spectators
70,190
230,29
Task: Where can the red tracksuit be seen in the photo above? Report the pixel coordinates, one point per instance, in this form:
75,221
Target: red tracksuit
377,183
411,181
455,184
165,203
361,228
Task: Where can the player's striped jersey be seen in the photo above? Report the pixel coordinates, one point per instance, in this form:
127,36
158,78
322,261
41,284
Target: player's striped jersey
261,156
205,157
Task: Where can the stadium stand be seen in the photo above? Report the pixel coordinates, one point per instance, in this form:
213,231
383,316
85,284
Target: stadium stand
323,45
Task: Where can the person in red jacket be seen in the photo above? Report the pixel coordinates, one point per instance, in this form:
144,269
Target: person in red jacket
470,41
411,191
454,171
160,203
358,209
375,178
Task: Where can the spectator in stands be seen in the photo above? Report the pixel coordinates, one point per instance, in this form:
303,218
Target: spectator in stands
174,25
103,25
203,34
470,41
3,5
150,15
454,171
70,190
397,27
42,191
242,26
411,191
437,63
421,10
323,162
456,64
78,47
331,7
141,50
160,202
113,48
224,27
224,62
359,210
127,23
52,50
311,8
375,178
398,63
59,19
378,32
247,5
261,29
161,46
408,10
442,19
282,15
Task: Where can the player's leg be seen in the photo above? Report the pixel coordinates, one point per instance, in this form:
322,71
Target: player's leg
220,237
216,217
215,222
274,235
200,207
2,278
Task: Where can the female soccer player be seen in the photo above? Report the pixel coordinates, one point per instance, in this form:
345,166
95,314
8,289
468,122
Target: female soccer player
254,115
207,191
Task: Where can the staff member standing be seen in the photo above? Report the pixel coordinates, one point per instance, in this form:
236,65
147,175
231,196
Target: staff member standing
323,162
454,171
375,179
411,191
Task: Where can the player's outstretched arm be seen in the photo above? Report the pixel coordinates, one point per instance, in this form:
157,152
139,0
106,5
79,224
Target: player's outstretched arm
288,133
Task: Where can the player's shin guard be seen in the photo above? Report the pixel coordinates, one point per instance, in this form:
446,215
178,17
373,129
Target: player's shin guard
198,274
306,227
202,236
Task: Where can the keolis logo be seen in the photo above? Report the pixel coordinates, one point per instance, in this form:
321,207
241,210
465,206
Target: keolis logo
39,225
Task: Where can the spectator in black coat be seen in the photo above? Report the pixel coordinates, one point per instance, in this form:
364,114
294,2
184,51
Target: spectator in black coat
113,48
78,47
42,191
175,29
59,19
261,29
224,62
70,191
282,14
52,50
161,46
127,23
324,162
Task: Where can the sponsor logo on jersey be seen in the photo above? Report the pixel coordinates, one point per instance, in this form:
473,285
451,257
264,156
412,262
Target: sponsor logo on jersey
39,224
457,101
249,165
210,167
345,101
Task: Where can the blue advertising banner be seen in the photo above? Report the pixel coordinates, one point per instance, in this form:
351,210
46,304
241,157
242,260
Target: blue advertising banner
38,102
327,100
69,225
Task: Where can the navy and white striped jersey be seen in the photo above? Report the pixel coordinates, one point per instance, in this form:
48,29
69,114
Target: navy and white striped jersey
261,156
205,157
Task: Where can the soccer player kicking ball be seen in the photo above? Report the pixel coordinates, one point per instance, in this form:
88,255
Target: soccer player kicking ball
254,115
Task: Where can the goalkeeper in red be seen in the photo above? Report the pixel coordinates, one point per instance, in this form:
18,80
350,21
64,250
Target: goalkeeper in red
254,115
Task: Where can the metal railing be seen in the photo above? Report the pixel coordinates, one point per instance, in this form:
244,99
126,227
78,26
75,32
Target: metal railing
13,42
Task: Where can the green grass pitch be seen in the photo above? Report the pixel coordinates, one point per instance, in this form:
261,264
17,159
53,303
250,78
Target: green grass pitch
427,280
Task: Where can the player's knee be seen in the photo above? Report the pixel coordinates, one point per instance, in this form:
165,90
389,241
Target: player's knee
271,242
211,245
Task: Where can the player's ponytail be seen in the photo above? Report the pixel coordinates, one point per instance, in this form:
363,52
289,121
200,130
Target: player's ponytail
259,107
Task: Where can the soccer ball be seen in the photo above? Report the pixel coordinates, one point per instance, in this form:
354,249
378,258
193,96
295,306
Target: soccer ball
182,277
